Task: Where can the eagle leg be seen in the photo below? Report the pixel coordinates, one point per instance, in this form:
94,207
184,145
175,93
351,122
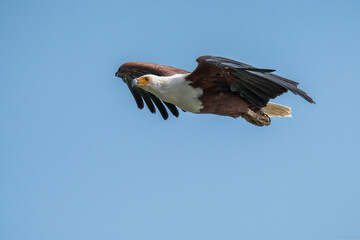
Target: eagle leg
257,118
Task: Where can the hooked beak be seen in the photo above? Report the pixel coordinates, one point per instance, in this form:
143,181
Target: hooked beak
118,74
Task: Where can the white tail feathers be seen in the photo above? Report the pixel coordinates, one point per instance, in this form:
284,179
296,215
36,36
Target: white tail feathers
276,110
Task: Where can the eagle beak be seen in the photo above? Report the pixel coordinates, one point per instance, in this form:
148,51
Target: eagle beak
118,74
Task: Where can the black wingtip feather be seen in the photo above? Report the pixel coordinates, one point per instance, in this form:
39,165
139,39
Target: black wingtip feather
137,96
173,109
160,106
303,95
147,100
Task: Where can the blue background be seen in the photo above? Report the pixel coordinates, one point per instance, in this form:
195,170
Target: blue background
80,161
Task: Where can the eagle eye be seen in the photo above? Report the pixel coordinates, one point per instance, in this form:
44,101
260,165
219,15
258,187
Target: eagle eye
147,78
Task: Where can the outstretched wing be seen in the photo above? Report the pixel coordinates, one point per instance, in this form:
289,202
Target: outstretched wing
132,70
255,85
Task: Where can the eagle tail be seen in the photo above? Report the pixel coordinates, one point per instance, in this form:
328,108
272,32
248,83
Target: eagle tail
276,110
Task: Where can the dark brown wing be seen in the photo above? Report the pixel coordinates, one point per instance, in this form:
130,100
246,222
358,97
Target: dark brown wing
132,70
255,85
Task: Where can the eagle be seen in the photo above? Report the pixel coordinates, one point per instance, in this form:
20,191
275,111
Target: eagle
218,85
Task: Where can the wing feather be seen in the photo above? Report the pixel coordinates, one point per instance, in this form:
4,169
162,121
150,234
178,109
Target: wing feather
173,109
255,85
147,98
137,96
160,106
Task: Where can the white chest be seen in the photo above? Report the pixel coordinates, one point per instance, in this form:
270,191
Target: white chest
177,90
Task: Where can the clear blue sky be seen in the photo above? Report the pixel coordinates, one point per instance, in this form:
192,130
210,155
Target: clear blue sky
78,160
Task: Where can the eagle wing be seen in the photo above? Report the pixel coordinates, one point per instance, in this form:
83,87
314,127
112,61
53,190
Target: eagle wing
132,70
257,86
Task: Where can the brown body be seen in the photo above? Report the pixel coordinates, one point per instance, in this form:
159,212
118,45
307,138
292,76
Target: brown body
224,104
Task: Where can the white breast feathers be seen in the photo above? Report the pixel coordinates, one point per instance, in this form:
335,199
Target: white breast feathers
176,90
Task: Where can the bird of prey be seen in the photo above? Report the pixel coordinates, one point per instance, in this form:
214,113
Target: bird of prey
218,85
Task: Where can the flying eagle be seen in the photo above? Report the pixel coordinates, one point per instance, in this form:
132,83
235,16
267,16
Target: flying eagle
218,85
